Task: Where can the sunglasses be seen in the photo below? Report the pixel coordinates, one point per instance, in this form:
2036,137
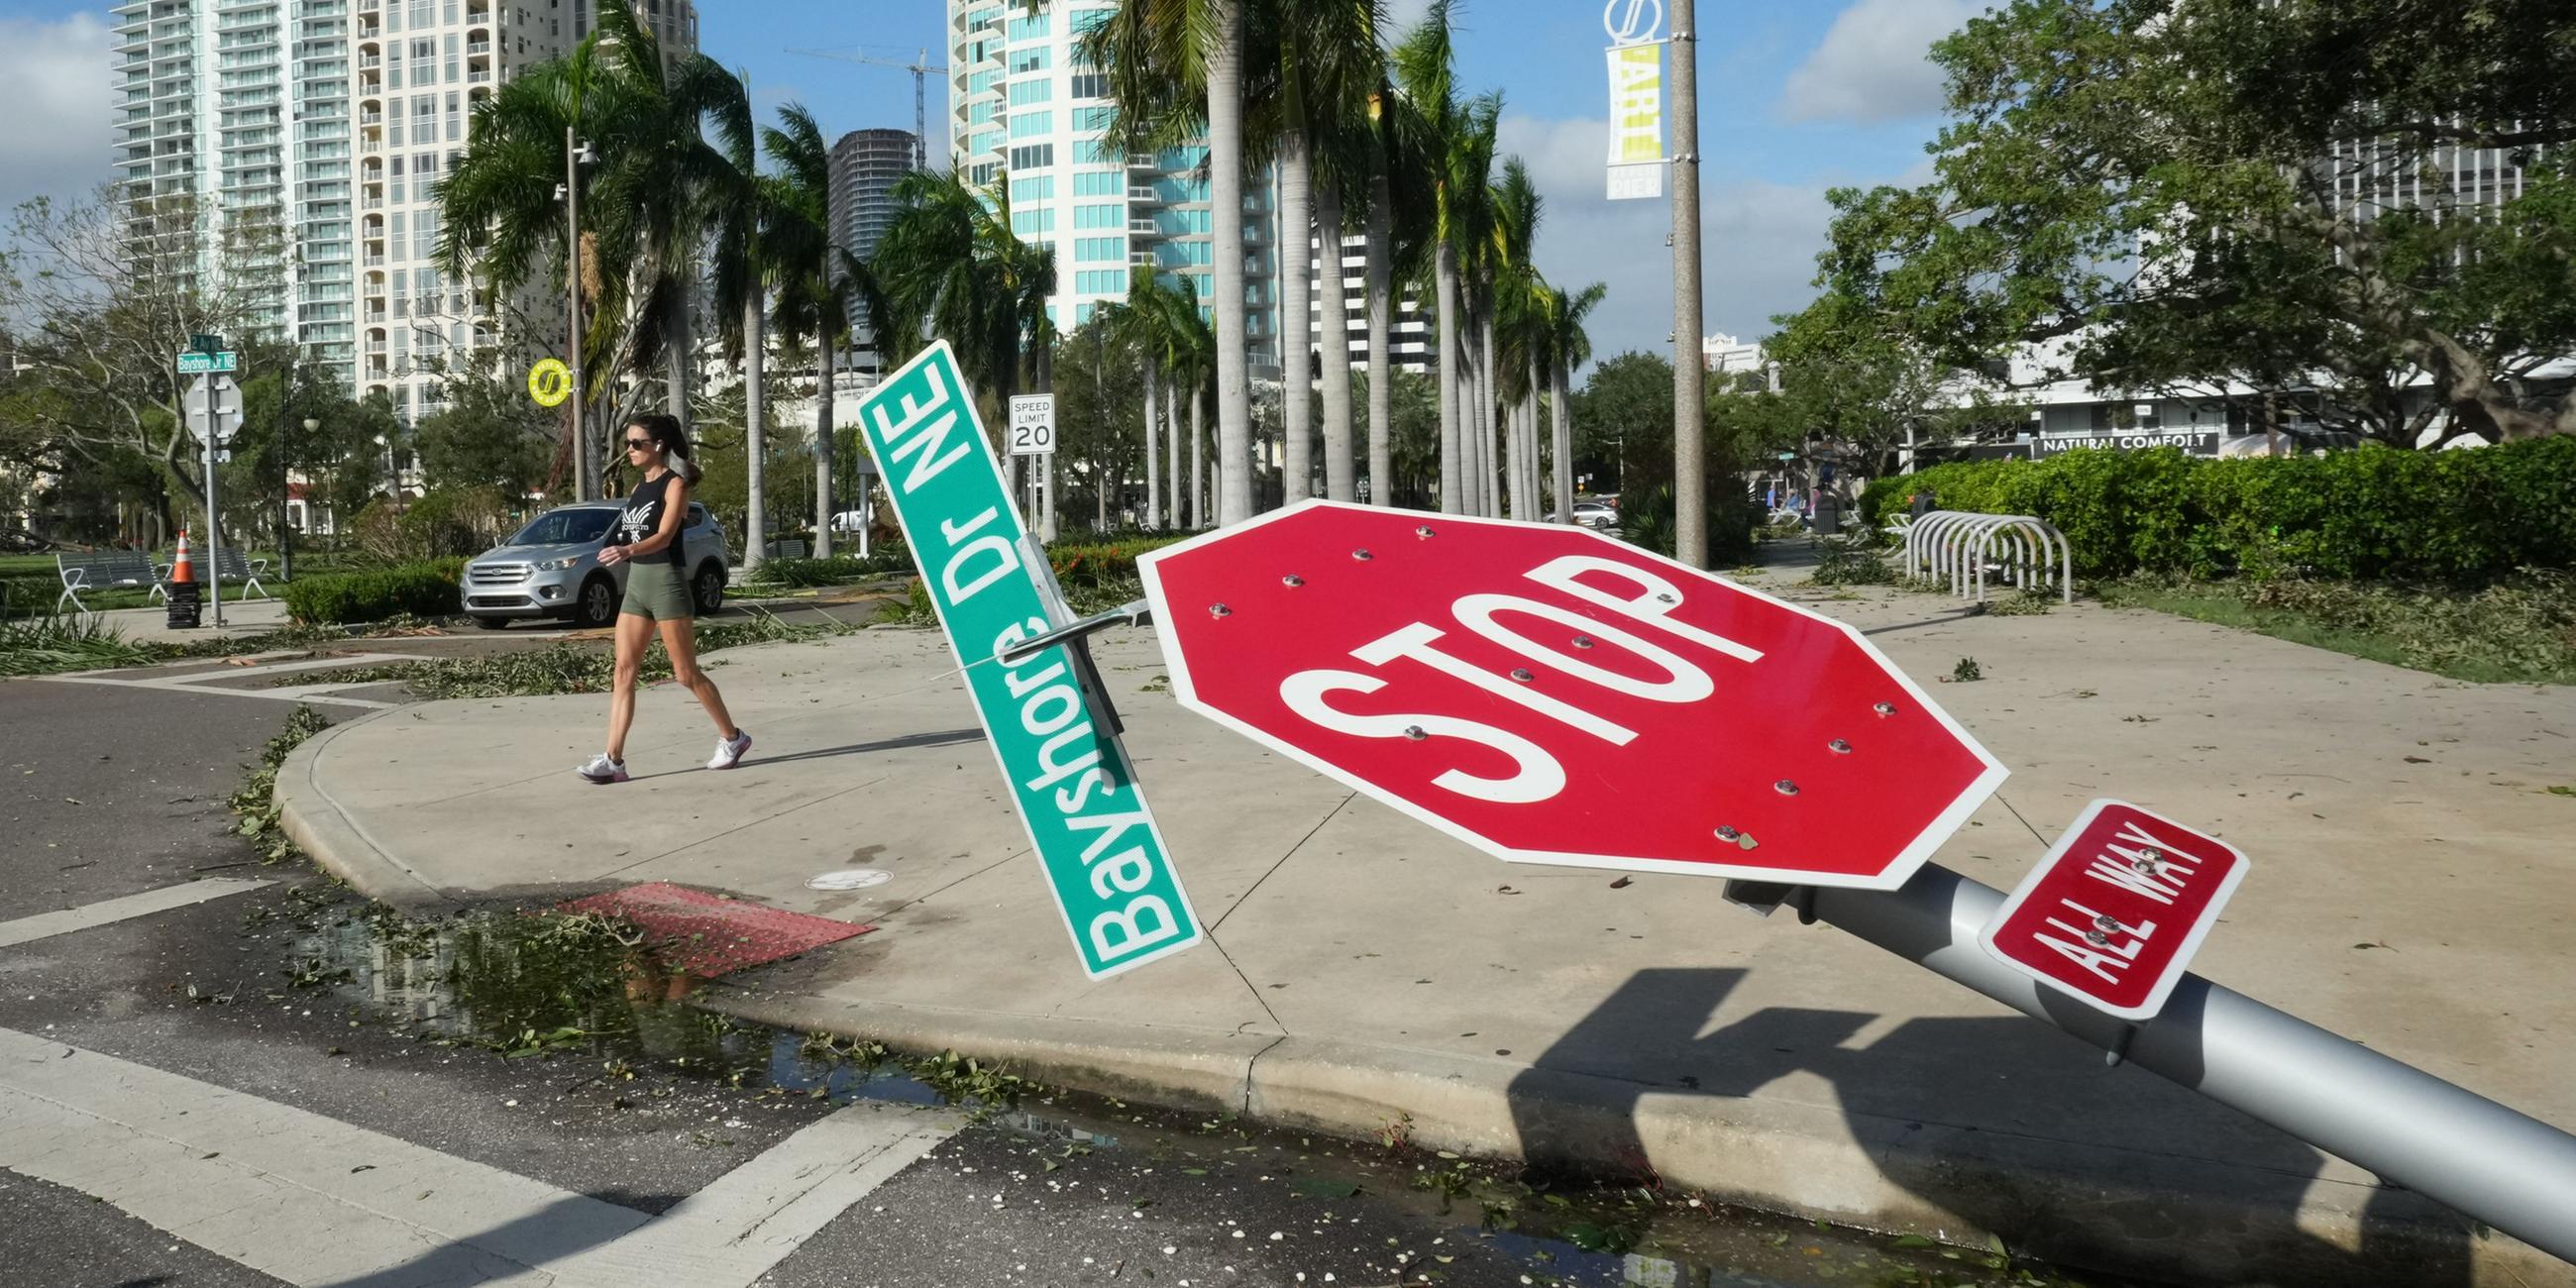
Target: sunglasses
639,444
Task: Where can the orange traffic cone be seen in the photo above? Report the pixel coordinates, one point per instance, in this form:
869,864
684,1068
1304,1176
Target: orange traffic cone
182,572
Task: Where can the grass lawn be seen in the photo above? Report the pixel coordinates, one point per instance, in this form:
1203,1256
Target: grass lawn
2517,632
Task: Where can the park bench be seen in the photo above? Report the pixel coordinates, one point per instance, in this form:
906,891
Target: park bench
103,570
115,569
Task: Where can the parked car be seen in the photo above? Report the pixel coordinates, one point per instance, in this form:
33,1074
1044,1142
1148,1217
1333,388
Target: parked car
1592,513
550,568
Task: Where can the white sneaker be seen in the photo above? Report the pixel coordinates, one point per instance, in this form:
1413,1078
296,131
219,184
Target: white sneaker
601,769
729,750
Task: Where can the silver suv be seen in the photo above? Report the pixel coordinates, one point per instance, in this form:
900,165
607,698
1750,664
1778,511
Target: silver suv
550,568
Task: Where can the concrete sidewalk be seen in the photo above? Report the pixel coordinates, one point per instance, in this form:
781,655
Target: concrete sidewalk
2412,889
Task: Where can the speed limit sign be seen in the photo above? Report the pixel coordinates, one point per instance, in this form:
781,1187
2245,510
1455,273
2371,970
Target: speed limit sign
1032,425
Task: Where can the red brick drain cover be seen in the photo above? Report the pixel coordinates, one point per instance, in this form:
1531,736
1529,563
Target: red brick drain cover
706,935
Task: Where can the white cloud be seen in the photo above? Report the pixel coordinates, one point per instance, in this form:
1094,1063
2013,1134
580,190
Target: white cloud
59,134
1872,64
1758,241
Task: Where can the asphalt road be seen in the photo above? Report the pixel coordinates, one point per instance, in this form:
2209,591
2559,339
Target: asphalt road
296,997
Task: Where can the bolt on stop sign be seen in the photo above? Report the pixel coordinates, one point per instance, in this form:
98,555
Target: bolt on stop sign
1552,695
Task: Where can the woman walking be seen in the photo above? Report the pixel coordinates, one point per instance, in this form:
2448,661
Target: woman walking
646,538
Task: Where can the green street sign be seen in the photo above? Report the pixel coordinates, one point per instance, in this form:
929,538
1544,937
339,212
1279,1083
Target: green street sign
1076,790
205,342
200,364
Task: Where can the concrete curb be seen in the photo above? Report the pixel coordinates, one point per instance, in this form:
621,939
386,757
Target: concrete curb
315,822
2137,1209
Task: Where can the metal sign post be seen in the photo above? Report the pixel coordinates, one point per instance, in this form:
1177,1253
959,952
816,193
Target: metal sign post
1520,692
214,410
1069,775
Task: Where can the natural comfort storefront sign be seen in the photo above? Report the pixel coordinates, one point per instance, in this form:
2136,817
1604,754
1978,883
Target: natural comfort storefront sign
2197,442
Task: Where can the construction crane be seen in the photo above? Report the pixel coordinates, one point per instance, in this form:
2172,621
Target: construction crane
922,70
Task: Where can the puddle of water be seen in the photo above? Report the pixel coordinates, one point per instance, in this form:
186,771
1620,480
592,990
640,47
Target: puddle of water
537,986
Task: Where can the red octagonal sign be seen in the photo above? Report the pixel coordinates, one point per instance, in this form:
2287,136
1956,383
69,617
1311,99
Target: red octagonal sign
1556,696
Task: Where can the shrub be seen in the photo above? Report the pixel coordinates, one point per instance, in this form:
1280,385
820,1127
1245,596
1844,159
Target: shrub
2468,516
1080,565
1850,563
420,590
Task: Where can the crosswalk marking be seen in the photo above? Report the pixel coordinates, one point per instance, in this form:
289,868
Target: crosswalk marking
315,1201
45,925
204,681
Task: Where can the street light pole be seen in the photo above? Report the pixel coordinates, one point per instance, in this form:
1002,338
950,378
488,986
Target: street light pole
1690,483
585,488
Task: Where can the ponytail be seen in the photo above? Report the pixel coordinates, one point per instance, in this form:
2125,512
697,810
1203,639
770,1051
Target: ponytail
672,439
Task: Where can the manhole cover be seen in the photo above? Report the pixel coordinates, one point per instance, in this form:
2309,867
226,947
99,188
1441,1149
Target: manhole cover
850,879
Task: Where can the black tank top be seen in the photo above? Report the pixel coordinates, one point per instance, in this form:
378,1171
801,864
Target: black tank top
643,517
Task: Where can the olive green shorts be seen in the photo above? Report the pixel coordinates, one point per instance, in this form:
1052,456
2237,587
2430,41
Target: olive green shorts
655,591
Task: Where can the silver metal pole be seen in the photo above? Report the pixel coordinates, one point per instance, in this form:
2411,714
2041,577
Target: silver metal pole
584,487
2501,1167
1690,482
214,528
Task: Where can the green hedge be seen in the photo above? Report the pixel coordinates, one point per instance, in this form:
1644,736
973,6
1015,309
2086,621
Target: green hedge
419,590
2374,513
1092,563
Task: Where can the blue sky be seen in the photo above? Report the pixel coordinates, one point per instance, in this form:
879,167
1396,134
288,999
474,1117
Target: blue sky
1796,96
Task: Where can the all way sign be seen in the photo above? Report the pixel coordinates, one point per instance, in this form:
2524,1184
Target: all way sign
1076,791
2114,912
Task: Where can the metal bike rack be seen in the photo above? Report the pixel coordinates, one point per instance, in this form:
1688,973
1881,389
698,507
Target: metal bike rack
1964,546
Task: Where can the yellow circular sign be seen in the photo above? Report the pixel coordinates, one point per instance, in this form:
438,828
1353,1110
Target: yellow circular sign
550,382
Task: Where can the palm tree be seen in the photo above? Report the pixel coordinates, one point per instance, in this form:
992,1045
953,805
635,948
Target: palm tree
1166,62
1567,348
1329,66
810,272
1457,139
1511,322
740,267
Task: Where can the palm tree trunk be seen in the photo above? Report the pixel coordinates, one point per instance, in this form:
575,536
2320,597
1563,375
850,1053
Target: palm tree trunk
1153,464
1485,404
1381,322
823,444
1529,438
755,432
1198,450
1339,469
1180,490
1225,166
676,360
1564,436
1296,328
1516,460
1454,471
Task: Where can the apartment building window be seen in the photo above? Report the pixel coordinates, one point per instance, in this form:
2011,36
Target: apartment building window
1027,125
1087,119
978,113
455,117
452,64
1099,250
1021,29
1036,156
1040,188
1088,84
424,235
1028,223
1040,90
1031,60
1099,183
1100,216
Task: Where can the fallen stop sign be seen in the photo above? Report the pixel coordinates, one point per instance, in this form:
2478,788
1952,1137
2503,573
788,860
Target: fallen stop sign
1552,695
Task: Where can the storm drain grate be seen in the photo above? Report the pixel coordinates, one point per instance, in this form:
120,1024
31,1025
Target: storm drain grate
708,935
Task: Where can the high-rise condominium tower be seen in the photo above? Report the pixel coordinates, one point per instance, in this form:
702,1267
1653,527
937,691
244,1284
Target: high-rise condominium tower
305,136
1023,105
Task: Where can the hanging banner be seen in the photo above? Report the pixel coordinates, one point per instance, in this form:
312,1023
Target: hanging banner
1636,121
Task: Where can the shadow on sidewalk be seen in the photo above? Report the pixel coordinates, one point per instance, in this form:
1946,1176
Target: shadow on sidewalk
2006,1085
943,738
559,1230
